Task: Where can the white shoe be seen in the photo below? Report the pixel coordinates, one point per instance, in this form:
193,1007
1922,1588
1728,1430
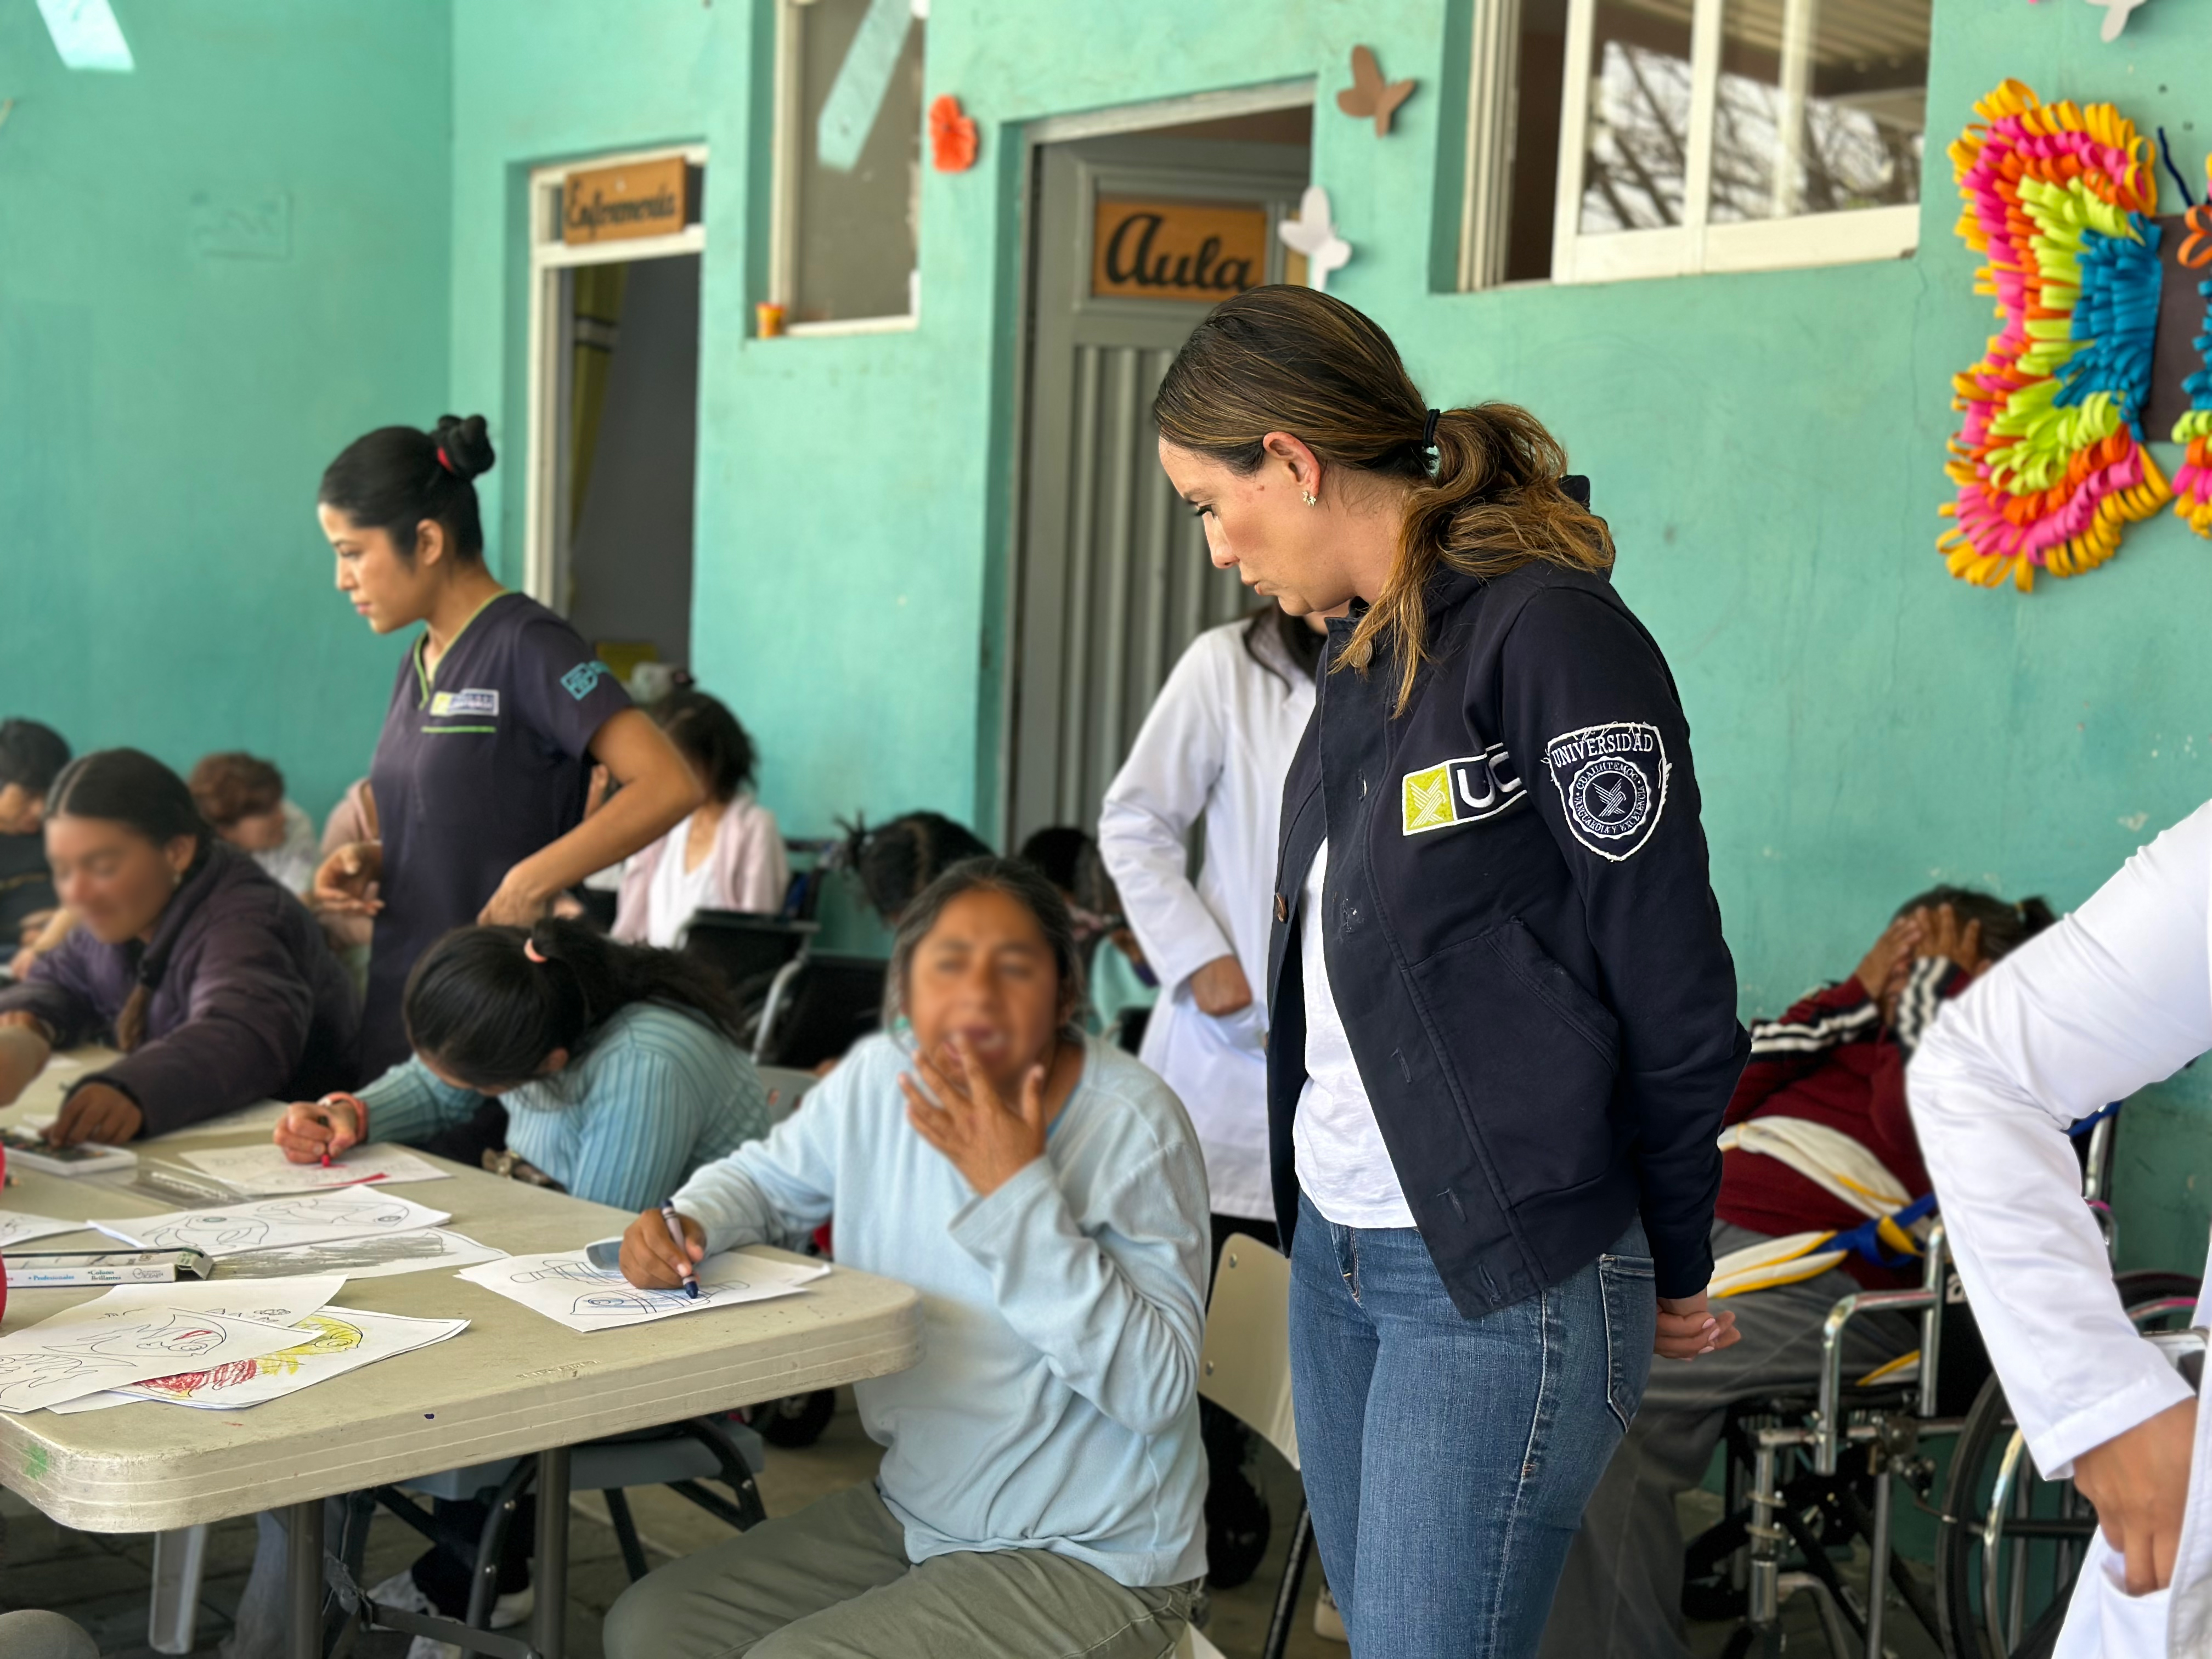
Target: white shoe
400,1591
1329,1623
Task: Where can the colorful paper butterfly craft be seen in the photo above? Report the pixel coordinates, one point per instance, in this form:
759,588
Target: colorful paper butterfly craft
2048,459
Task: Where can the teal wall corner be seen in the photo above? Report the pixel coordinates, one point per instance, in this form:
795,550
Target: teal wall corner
215,272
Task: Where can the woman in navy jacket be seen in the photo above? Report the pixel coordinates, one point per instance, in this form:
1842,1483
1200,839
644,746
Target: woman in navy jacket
1504,1022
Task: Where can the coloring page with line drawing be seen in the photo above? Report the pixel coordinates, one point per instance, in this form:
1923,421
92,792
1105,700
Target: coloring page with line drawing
264,1171
566,1287
376,1257
280,1301
306,1218
327,1344
45,1366
21,1227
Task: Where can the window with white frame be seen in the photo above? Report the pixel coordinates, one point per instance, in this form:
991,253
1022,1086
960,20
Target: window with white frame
1617,138
848,163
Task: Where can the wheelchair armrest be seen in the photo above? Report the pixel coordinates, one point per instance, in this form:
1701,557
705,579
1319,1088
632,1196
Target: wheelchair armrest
1827,1446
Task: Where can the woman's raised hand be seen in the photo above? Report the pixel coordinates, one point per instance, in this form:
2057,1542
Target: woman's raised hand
650,1260
1687,1328
988,1140
310,1131
346,883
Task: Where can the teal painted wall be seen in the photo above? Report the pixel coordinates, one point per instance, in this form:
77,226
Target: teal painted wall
166,408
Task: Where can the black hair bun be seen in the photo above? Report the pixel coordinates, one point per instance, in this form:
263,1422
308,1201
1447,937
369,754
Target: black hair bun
467,444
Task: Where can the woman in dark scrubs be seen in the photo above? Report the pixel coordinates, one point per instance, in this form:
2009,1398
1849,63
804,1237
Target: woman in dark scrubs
499,715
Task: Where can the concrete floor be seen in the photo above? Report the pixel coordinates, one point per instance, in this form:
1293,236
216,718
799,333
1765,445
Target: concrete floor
100,1580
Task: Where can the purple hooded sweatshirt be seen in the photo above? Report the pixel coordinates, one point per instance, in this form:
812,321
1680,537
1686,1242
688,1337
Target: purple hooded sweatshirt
248,1002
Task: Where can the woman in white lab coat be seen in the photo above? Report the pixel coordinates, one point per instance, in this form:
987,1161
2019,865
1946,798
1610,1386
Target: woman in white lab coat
1214,749
2114,997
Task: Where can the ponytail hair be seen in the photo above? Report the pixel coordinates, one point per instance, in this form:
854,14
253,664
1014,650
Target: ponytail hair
1285,359
398,478
130,788
485,1006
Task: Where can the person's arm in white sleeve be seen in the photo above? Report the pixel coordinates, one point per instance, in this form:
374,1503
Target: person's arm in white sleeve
1144,825
2114,997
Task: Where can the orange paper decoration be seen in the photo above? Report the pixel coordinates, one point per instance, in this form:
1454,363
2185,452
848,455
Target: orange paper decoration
951,135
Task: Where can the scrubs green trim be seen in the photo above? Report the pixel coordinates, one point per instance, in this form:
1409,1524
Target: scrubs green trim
426,677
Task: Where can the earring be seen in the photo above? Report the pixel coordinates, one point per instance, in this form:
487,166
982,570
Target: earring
1309,498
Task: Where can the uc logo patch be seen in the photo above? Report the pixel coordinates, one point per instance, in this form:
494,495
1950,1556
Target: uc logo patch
1461,791
1612,781
584,679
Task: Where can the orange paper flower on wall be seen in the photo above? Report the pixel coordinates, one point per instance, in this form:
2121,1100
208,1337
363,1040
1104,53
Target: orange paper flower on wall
951,135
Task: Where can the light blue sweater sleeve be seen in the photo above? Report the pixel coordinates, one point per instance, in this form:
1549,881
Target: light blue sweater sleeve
778,1190
408,1104
1116,1309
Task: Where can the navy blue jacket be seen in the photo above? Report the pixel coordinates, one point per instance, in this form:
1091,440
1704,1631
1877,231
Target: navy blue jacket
1521,936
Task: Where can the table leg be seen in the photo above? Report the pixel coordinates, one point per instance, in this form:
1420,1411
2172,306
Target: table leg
303,1568
550,1572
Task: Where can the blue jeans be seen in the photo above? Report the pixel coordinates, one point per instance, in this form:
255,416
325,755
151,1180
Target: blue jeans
1446,1460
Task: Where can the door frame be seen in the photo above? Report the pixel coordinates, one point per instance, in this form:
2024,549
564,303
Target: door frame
551,345
1117,120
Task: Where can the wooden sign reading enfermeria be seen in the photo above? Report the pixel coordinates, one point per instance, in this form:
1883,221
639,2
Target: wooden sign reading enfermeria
1176,250
616,203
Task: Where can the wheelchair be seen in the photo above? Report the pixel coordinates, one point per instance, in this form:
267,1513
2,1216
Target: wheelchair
1813,1473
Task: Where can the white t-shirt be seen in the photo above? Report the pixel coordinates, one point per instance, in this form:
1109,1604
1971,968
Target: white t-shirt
1343,1166
676,893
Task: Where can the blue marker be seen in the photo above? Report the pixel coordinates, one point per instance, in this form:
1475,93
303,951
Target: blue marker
683,1248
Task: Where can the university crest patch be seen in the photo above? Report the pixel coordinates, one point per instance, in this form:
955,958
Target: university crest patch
1612,781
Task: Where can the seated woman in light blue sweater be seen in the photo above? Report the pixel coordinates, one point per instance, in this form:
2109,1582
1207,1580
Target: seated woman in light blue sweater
1041,1481
619,1066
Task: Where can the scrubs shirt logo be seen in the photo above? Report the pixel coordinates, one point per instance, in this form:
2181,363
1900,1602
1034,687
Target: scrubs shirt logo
1612,781
464,703
1461,791
584,679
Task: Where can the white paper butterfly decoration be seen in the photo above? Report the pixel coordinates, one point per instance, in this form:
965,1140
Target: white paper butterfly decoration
1313,234
2115,15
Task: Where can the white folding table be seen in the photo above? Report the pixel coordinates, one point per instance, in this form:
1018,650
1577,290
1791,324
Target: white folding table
513,1383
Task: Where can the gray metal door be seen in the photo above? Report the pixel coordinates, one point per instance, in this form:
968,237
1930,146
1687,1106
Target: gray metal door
1112,573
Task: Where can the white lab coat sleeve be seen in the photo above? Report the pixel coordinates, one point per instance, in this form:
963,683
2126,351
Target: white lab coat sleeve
2116,996
1144,825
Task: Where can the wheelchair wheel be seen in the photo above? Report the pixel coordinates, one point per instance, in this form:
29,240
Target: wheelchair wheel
2009,1542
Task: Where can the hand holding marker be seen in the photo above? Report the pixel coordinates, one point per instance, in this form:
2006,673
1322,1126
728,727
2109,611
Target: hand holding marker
675,1233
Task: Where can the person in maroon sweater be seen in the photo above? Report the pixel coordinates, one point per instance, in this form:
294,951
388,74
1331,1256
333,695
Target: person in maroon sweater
1836,1059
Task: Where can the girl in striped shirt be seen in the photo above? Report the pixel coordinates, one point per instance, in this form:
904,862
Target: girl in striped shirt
619,1066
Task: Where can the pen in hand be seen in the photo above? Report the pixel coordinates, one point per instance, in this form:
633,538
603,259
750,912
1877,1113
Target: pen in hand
683,1248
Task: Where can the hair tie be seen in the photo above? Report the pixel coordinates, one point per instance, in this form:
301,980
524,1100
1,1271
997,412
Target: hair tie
530,950
1428,432
446,462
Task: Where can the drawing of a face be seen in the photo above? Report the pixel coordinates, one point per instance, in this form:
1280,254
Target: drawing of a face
173,1336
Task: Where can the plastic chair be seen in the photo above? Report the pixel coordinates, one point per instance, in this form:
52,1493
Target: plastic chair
679,1457
1245,1368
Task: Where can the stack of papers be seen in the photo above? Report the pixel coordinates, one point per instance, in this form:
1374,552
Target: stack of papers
21,1227
264,1171
566,1287
308,1218
285,1335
